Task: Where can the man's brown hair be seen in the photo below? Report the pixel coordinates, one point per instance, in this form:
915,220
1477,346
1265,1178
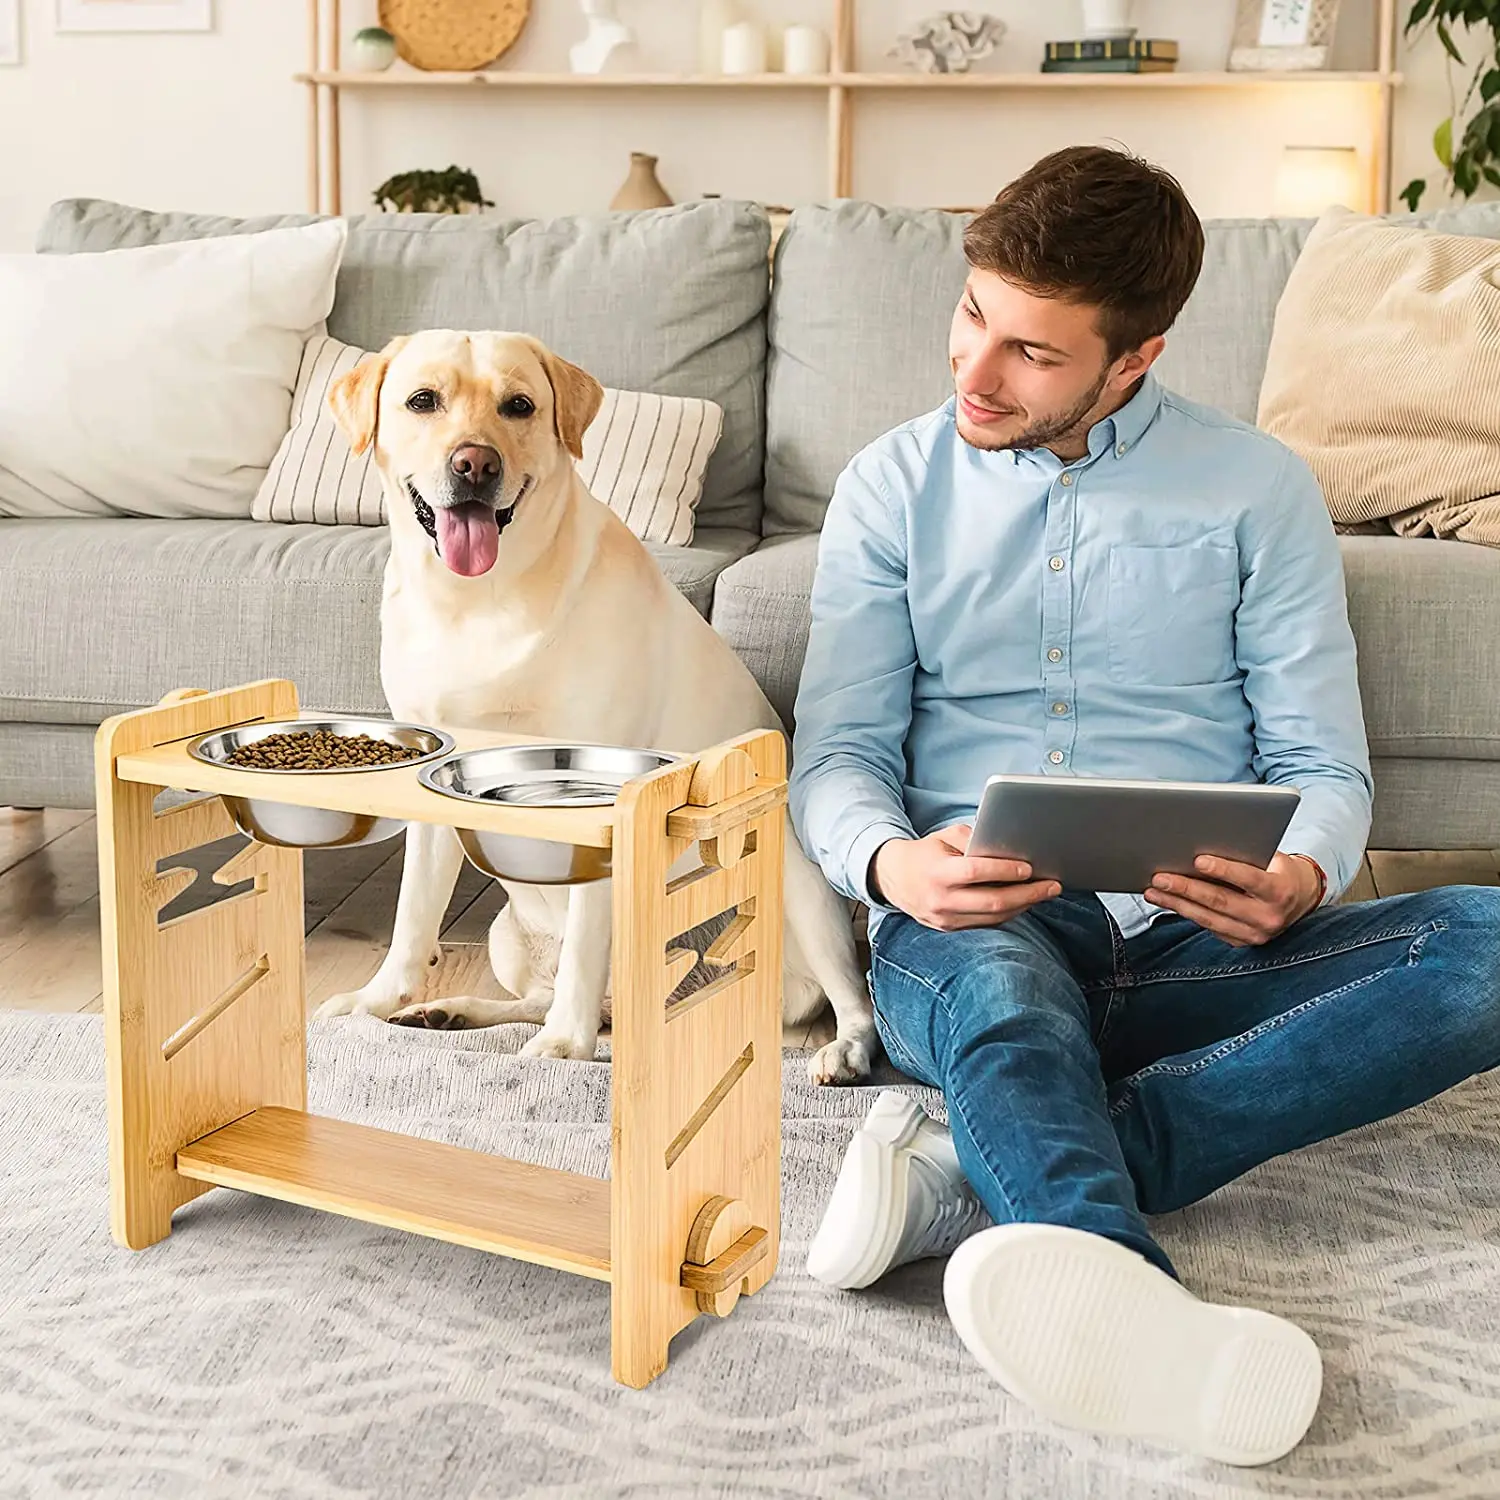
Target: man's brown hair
1098,227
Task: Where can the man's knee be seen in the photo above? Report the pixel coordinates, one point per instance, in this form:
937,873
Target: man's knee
1466,941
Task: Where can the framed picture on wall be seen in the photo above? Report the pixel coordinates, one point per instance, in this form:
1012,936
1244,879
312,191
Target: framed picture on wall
1291,35
135,15
10,31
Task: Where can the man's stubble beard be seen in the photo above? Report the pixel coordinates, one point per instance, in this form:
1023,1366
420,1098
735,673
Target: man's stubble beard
1049,429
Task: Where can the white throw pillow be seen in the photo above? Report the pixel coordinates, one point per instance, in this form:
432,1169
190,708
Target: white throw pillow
155,381
644,456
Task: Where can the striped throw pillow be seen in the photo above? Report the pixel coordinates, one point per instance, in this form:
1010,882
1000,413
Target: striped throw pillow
645,456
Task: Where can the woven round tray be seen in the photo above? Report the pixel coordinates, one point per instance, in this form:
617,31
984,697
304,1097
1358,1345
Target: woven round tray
453,35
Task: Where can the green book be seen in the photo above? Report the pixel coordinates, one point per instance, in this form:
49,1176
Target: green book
1112,47
1109,65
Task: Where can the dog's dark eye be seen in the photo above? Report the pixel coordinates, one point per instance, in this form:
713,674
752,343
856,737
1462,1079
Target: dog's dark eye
422,401
518,406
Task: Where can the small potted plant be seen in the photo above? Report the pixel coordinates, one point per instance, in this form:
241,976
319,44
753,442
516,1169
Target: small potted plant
373,50
455,191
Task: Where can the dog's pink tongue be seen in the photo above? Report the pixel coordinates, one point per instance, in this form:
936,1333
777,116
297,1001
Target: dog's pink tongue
468,538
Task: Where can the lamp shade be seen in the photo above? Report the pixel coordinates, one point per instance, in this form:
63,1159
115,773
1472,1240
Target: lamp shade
1312,178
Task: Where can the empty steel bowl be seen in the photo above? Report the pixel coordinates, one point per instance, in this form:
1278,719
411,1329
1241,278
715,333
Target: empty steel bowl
539,776
293,827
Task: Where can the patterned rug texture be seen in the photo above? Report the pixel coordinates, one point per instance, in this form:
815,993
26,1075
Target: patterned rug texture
267,1350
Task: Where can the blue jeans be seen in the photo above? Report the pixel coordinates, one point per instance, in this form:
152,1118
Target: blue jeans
1093,1079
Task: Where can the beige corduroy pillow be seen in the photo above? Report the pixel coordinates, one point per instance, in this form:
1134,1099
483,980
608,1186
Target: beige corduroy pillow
1384,375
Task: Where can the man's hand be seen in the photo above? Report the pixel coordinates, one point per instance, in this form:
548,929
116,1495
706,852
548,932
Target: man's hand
1243,905
933,880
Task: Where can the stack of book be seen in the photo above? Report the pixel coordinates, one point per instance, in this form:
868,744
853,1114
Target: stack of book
1121,54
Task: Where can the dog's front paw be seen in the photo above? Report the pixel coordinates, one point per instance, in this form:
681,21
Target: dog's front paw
558,1044
433,1017
365,1002
843,1060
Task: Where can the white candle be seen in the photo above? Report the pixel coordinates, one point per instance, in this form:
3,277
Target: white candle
804,50
745,48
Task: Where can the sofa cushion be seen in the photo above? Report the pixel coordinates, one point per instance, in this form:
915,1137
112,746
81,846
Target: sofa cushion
158,381
860,306
863,297
671,301
1424,615
99,616
761,607
1384,375
1426,618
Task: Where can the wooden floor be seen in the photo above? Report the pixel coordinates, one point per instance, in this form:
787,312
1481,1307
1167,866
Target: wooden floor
49,910
49,916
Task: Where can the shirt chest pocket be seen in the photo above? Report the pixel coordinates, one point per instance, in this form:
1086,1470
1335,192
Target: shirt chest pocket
1171,613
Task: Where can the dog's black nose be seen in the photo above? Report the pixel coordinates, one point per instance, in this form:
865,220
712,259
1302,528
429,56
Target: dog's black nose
475,464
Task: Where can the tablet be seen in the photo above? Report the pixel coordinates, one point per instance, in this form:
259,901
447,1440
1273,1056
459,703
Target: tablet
1092,834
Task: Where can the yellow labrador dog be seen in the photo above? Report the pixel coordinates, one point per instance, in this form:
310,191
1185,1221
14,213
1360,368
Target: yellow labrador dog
516,601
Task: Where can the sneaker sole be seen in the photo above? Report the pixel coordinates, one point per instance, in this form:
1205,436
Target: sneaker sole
1094,1336
867,1245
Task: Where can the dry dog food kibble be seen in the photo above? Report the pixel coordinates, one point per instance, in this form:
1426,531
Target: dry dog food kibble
319,750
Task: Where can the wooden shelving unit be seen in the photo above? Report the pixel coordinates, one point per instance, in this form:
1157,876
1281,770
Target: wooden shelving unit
325,82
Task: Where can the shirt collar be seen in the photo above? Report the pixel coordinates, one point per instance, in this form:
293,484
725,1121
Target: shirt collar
1123,429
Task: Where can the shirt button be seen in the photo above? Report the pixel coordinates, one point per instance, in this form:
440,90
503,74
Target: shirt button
1055,563
1056,757
1054,654
1067,479
1059,708
1120,451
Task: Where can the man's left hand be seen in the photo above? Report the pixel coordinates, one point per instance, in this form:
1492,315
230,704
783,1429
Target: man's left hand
1244,905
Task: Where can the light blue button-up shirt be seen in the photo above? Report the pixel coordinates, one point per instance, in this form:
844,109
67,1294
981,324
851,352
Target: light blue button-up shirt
1169,607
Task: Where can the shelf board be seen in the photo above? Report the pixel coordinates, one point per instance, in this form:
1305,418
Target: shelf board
500,79
1189,80
537,1214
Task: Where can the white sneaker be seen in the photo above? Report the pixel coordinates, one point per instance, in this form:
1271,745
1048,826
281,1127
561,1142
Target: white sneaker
1093,1335
900,1196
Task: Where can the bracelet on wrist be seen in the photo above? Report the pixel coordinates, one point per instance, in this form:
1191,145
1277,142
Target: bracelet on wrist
1322,878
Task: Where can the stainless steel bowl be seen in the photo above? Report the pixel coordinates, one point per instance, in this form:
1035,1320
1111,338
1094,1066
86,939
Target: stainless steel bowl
539,776
293,827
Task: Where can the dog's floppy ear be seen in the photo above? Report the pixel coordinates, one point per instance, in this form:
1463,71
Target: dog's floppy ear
576,398
354,399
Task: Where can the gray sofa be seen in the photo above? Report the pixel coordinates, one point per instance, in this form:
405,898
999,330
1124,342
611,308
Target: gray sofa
847,339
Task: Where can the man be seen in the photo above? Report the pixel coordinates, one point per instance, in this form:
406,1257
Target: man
1068,570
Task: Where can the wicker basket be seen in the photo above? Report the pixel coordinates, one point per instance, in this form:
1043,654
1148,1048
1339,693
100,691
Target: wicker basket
453,35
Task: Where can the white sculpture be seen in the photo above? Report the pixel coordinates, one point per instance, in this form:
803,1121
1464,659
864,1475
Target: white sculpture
950,42
607,41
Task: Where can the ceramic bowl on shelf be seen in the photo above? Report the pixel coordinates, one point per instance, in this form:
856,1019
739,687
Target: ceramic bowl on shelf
290,826
555,775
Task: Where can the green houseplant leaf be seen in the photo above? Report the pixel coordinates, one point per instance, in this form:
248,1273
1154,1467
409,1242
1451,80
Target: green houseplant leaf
1467,145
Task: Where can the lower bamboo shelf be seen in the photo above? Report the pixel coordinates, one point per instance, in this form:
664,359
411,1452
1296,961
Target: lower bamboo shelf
552,1218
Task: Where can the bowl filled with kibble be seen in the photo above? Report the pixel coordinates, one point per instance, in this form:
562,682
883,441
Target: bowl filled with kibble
320,747
565,775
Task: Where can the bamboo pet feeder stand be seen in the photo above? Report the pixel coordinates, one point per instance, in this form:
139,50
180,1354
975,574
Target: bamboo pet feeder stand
205,1021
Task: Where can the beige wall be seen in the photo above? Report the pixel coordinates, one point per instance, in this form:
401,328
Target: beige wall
213,122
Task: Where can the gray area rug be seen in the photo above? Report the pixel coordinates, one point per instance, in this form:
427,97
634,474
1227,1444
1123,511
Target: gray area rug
268,1350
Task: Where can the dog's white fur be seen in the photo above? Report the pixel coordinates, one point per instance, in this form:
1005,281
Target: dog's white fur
574,633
